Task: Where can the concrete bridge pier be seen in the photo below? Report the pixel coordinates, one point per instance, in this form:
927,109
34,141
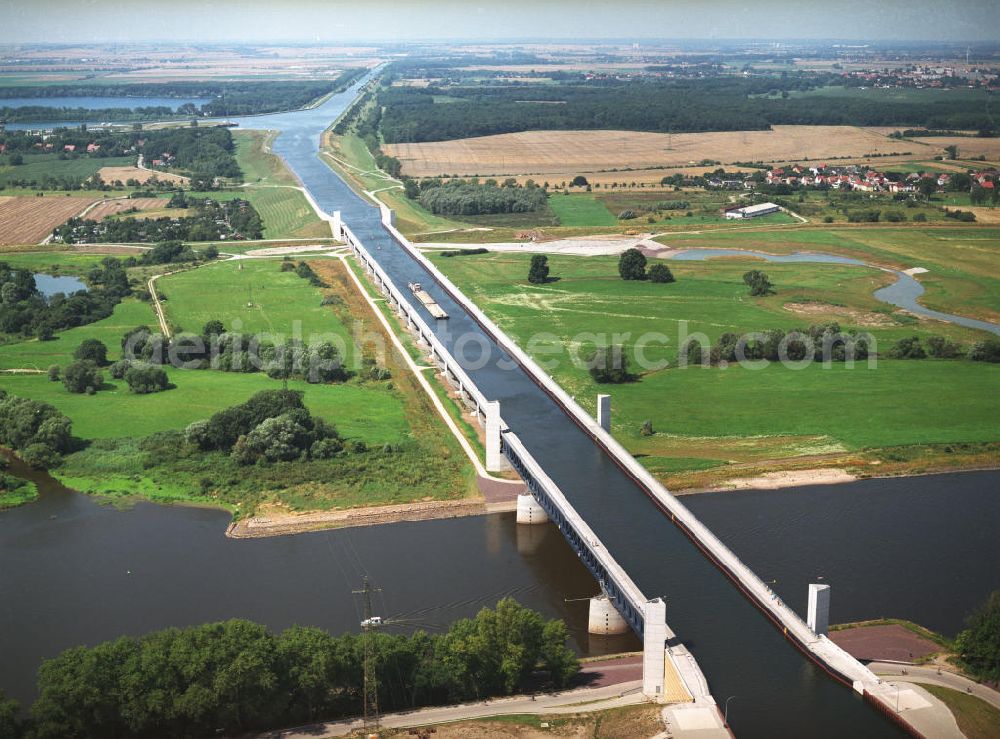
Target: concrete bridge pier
529,511
338,226
604,618
495,459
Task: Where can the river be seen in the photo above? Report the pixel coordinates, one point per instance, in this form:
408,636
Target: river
67,579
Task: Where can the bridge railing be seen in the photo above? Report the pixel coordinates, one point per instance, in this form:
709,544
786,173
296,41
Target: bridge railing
614,581
623,592
467,388
747,580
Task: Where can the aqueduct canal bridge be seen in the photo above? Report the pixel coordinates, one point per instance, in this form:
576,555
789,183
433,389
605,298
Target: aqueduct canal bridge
652,557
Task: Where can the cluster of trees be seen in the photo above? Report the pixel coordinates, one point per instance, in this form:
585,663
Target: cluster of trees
470,197
304,271
758,282
212,220
632,266
24,310
237,677
609,365
203,153
273,426
978,645
824,341
36,431
693,104
215,348
939,347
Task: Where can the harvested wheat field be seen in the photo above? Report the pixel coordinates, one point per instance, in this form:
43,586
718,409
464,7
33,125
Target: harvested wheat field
113,207
124,174
28,220
569,152
968,146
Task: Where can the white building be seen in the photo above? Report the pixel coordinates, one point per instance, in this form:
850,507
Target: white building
751,211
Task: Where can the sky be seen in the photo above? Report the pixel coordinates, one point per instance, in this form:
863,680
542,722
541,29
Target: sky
336,21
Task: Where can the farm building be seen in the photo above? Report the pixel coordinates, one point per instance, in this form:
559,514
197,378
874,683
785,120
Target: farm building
761,209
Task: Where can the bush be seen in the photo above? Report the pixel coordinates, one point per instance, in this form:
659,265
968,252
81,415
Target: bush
54,373
978,645
40,456
143,379
92,350
660,273
119,368
985,351
632,265
626,215
81,375
609,365
579,181
539,272
908,348
940,347
920,218
647,428
758,282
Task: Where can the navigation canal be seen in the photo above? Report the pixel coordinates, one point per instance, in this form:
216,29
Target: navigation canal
739,651
77,572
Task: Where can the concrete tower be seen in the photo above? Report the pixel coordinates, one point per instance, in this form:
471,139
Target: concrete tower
818,618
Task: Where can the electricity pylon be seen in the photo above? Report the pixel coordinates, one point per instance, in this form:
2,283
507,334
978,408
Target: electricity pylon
369,628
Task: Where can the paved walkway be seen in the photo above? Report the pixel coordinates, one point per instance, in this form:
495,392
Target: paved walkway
932,676
572,701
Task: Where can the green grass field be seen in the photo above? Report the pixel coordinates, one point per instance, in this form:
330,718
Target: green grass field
283,303
976,718
706,417
38,166
52,260
421,462
963,262
581,210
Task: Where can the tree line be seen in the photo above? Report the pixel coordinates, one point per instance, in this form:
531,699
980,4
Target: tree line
226,98
236,677
210,220
698,104
470,197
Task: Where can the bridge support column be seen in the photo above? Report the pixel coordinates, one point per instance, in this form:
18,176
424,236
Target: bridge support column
495,461
654,643
604,412
338,226
604,618
818,617
529,511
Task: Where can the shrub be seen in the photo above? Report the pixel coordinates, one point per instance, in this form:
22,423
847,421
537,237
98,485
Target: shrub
940,347
660,273
143,379
119,368
579,181
908,348
81,375
40,456
758,282
647,428
626,215
609,365
54,373
985,351
632,265
539,272
93,350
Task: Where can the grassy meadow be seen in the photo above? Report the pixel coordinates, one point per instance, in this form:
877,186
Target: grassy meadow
410,455
711,421
963,263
